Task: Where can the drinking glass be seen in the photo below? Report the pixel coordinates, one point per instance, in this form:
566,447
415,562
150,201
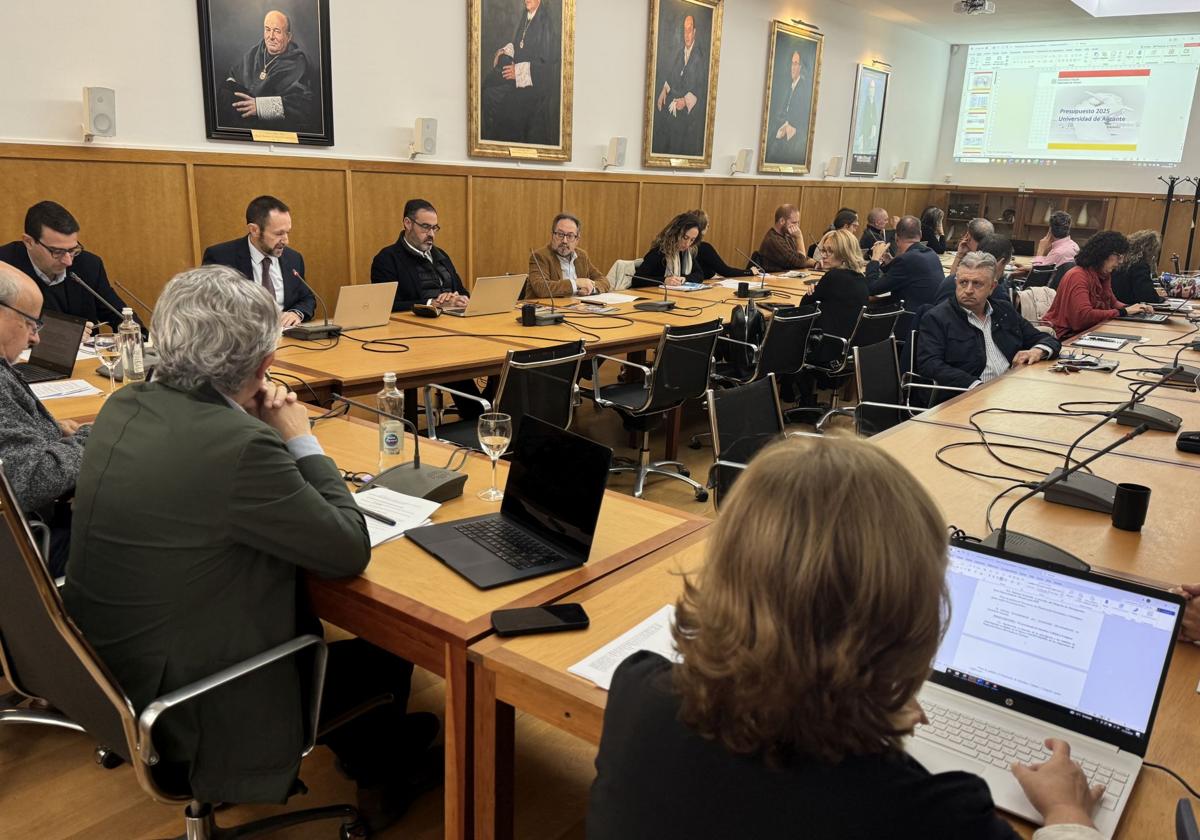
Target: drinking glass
108,352
495,431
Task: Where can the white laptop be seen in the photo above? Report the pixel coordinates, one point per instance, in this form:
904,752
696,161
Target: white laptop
490,295
1037,651
358,306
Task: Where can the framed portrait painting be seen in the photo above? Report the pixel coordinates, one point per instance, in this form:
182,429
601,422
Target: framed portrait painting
265,69
521,78
790,103
866,121
684,53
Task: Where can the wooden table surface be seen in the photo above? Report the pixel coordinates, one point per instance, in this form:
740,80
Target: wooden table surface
412,605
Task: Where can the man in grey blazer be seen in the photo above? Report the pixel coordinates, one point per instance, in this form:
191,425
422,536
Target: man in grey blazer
41,455
202,501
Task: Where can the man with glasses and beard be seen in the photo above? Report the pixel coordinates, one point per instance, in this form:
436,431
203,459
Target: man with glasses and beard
561,269
50,252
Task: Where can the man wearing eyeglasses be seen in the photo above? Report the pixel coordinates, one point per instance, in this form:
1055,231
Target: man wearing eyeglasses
561,269
41,455
50,253
423,271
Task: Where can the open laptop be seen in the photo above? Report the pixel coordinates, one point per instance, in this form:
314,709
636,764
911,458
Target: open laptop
53,357
548,517
1147,317
1037,651
359,305
490,296
1023,247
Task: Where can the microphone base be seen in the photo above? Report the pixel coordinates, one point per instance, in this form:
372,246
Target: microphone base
1155,418
1035,549
311,332
425,482
655,306
548,319
753,294
1082,490
1188,375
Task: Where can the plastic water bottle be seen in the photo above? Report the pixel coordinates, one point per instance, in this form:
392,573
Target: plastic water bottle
391,432
129,340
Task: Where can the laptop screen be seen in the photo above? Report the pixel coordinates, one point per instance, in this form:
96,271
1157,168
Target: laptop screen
58,343
556,484
1096,648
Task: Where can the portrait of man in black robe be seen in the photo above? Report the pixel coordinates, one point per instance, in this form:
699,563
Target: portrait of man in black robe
681,74
790,106
521,90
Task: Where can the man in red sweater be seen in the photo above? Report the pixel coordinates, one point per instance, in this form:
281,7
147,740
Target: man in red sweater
1085,296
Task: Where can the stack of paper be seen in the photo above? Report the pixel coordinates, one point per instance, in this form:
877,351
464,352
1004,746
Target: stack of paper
64,388
608,298
406,511
653,634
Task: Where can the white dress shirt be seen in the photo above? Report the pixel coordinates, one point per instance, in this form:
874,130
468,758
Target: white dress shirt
274,271
49,281
568,270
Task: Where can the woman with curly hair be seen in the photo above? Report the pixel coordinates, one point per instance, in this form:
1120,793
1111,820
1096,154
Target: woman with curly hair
710,260
1133,282
803,643
1085,296
671,259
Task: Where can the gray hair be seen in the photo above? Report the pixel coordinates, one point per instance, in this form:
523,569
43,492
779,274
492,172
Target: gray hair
877,212
213,327
9,287
566,217
979,228
981,260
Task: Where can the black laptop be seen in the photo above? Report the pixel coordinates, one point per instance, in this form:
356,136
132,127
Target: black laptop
547,519
53,357
1023,247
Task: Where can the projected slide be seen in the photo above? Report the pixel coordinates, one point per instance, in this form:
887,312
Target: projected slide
1112,99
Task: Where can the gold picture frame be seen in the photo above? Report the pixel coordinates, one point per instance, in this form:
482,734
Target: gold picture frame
785,146
508,116
671,128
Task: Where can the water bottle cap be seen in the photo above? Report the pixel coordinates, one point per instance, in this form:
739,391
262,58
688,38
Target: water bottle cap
390,376
127,311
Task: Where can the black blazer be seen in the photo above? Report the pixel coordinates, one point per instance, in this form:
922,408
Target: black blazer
1133,284
656,777
418,280
67,296
841,294
297,296
654,266
912,277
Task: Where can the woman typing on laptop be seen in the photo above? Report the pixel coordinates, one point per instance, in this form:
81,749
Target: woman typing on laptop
804,642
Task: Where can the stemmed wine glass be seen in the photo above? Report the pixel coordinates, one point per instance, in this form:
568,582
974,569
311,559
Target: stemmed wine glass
105,345
495,431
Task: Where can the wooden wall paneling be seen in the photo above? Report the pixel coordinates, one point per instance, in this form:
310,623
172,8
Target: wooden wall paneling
317,198
378,202
660,204
819,203
860,200
608,210
916,199
510,217
134,216
890,198
193,214
766,199
731,221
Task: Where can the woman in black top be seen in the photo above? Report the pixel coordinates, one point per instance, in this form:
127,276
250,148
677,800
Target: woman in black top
1132,281
671,259
710,261
802,645
932,233
842,290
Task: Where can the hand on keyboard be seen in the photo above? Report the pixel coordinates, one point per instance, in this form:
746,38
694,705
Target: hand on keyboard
1058,787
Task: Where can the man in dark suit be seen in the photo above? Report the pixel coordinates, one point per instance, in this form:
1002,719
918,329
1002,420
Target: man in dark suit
202,501
50,252
682,98
520,99
788,143
265,258
912,276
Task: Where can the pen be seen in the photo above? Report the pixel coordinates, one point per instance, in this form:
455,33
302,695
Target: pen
378,517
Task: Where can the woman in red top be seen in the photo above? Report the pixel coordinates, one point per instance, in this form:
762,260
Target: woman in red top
1085,296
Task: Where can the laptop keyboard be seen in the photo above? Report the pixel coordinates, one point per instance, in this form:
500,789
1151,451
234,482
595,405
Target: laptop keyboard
991,744
33,373
512,545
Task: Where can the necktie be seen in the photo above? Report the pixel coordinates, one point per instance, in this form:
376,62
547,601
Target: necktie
265,268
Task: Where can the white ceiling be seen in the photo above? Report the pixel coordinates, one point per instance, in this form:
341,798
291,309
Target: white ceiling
1020,20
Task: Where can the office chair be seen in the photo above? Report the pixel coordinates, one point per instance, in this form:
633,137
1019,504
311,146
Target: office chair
45,657
1039,275
743,420
1185,822
1059,273
682,365
538,383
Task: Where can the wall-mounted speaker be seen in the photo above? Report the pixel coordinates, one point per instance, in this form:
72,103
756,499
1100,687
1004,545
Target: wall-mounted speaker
615,155
425,136
901,171
99,112
741,164
834,167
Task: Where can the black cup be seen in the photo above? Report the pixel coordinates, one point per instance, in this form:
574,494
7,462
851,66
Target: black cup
1129,506
529,315
743,290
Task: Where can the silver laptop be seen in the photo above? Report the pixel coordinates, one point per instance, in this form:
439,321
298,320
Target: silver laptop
1037,651
490,296
364,305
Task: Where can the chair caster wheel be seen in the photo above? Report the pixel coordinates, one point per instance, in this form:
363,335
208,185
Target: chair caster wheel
701,495
693,444
108,759
356,830
685,472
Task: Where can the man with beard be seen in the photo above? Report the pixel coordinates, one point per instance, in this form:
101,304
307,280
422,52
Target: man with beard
271,86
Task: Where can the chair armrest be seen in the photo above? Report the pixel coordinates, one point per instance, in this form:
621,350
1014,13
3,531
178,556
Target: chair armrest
753,347
625,362
155,709
431,417
836,412
42,531
737,465
596,359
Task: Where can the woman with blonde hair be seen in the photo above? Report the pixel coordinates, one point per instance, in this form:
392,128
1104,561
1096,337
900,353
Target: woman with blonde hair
803,643
1132,280
842,290
671,259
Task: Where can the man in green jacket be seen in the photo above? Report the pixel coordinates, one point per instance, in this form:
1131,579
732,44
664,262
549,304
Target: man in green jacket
202,497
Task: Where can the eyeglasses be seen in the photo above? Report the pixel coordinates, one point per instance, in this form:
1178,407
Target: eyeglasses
359,478
425,227
567,237
59,253
34,324
826,251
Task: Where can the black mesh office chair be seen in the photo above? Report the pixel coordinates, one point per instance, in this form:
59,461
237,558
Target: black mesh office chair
682,365
533,383
743,420
1185,821
45,657
1039,275
1059,273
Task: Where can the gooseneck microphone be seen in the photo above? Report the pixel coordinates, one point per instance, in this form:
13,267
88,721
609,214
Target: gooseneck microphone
149,359
410,478
664,305
313,330
552,317
762,277
1028,546
116,312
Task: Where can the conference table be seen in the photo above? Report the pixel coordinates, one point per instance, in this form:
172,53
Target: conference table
411,604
